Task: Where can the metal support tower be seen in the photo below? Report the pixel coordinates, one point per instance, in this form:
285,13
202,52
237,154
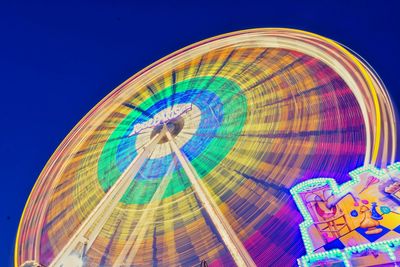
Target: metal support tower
85,236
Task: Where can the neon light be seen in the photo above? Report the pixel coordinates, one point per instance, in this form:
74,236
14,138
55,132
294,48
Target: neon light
387,246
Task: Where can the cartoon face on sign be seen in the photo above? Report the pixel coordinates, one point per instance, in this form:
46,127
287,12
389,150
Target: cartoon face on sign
352,223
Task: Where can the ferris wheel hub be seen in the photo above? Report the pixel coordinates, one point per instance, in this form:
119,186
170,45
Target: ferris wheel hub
173,126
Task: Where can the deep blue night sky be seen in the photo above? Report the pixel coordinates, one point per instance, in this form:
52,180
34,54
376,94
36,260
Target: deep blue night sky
59,59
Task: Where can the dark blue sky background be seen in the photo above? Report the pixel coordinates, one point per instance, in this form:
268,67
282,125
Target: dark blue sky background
59,59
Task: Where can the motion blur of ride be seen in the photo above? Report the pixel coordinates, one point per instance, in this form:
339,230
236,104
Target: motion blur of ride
213,156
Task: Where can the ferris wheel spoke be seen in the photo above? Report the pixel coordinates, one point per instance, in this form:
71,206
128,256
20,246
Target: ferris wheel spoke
141,111
135,239
278,72
229,237
173,78
103,210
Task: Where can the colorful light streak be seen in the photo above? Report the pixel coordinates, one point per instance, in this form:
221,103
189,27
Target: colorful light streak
269,106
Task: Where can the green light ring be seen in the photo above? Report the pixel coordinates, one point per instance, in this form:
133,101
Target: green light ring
233,100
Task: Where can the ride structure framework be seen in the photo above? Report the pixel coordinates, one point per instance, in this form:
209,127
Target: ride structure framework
192,159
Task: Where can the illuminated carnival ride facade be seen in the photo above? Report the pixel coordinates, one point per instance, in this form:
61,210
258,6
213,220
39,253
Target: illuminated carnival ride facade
213,156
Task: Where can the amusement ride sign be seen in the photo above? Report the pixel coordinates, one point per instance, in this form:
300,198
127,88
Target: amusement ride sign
163,116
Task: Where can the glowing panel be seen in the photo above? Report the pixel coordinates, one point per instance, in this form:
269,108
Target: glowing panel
356,223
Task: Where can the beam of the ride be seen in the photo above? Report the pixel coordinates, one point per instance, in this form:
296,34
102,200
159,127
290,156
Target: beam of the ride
135,239
103,210
235,247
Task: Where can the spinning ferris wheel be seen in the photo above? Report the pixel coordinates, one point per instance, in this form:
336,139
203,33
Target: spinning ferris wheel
192,158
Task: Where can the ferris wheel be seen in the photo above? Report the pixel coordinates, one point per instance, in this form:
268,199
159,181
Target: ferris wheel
191,160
